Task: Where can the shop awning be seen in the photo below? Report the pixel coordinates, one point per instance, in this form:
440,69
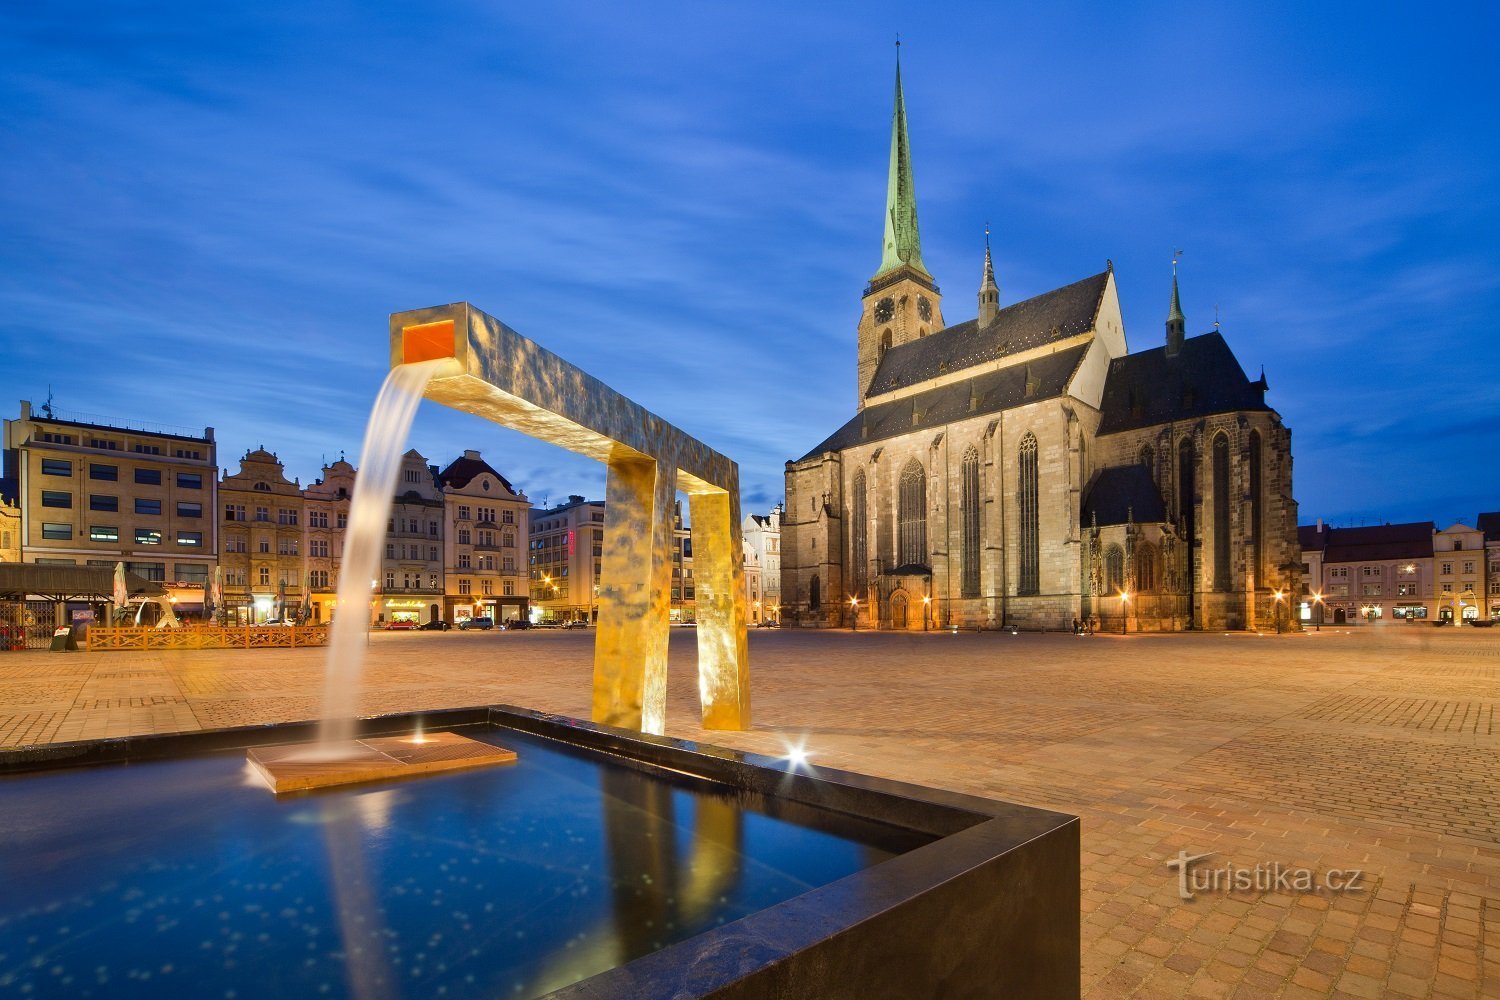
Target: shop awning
23,581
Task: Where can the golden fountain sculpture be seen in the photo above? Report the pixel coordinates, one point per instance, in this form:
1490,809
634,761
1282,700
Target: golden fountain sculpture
502,376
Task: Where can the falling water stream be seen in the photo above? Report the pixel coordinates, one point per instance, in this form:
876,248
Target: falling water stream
374,489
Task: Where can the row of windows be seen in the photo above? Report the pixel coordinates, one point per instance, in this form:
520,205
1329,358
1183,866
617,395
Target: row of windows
284,515
410,581
286,545
111,473
393,551
487,587
105,502
110,533
487,563
411,526
486,514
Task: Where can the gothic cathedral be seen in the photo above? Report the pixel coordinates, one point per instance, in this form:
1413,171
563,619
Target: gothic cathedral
1022,469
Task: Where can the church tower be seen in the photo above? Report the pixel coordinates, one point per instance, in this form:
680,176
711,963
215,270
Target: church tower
1176,322
902,302
989,292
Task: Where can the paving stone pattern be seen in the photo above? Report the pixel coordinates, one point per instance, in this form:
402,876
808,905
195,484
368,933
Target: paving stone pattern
1372,749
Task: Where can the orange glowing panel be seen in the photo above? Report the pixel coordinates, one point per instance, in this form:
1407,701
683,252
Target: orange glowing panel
427,341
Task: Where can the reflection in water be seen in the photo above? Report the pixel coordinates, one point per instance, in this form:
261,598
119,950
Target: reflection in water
169,878
667,880
361,921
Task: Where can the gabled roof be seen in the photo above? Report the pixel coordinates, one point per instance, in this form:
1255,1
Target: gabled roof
1312,537
1056,315
1121,494
461,471
1382,541
1152,388
991,392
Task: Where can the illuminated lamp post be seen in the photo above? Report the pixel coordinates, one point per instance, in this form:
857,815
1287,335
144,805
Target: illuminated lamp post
1276,609
926,612
1318,603
854,605
1124,612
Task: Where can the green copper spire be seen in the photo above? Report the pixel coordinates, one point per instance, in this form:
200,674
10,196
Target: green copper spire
902,243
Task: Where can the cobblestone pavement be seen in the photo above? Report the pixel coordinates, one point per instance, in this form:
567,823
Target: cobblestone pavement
1372,750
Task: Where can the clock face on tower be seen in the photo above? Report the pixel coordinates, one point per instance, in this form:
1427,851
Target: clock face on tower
924,309
885,309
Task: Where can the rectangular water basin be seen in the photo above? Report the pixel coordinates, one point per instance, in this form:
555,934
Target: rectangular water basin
601,863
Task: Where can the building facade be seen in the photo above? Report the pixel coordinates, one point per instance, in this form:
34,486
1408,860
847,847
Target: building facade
261,541
1489,523
487,523
10,527
762,534
1458,554
96,494
409,588
1022,468
326,506
1370,574
567,548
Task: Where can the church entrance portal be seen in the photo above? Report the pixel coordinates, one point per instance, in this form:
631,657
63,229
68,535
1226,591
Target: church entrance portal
898,611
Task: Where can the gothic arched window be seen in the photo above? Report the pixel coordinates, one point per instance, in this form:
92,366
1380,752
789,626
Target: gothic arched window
1148,459
1221,512
1145,567
858,544
885,345
969,515
1027,494
1186,487
815,594
911,516
1114,569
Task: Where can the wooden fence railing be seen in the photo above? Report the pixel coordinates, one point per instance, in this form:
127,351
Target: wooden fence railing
208,637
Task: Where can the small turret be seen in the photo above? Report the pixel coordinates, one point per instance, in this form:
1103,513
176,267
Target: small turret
989,292
1176,322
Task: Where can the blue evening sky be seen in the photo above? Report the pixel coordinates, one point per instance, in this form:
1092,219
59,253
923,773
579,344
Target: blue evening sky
209,210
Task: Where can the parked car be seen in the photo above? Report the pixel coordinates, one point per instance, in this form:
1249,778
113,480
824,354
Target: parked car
1479,622
396,625
483,622
437,625
511,624
576,623
278,621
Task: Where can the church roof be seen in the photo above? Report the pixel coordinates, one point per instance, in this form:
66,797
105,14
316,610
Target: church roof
461,471
1121,494
1053,316
991,392
1152,388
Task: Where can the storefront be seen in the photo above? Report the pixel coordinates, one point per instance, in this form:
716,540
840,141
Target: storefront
1410,612
413,610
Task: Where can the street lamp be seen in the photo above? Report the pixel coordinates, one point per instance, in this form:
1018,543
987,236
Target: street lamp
854,604
1318,602
926,612
1124,612
1276,609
